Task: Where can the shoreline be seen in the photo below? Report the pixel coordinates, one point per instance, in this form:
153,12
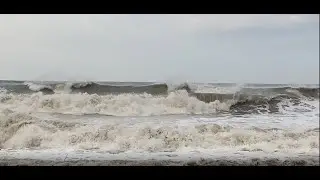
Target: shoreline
295,161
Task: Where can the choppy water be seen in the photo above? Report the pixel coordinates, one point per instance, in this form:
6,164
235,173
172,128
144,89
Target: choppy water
153,120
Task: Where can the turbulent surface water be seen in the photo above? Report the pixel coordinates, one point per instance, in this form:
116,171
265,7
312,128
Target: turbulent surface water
152,120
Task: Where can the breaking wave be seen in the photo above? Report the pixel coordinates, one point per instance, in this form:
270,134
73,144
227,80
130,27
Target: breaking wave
22,130
177,102
151,99
28,112
103,88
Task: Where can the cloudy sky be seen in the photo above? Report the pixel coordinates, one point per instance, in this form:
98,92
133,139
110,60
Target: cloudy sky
201,48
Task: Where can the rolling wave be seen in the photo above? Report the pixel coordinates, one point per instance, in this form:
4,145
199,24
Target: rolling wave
153,99
84,87
150,88
94,88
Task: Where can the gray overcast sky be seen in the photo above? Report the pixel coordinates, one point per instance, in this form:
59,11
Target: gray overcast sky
202,48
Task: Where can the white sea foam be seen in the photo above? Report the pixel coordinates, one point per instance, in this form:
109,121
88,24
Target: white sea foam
36,87
36,121
20,130
178,102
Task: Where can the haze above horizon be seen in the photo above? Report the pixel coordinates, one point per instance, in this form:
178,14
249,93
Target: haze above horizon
268,49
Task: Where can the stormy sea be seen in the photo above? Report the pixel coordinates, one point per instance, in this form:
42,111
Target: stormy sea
144,123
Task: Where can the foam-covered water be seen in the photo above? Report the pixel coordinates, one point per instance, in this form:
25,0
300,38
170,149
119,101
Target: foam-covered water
116,105
143,121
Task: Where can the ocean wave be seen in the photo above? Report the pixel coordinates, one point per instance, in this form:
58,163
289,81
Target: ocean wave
40,88
23,130
84,87
176,102
152,99
94,88
151,88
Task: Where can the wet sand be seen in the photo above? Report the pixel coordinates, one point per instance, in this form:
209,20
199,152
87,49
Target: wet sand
297,161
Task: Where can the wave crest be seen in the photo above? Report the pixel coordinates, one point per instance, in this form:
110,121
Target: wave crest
178,102
153,99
